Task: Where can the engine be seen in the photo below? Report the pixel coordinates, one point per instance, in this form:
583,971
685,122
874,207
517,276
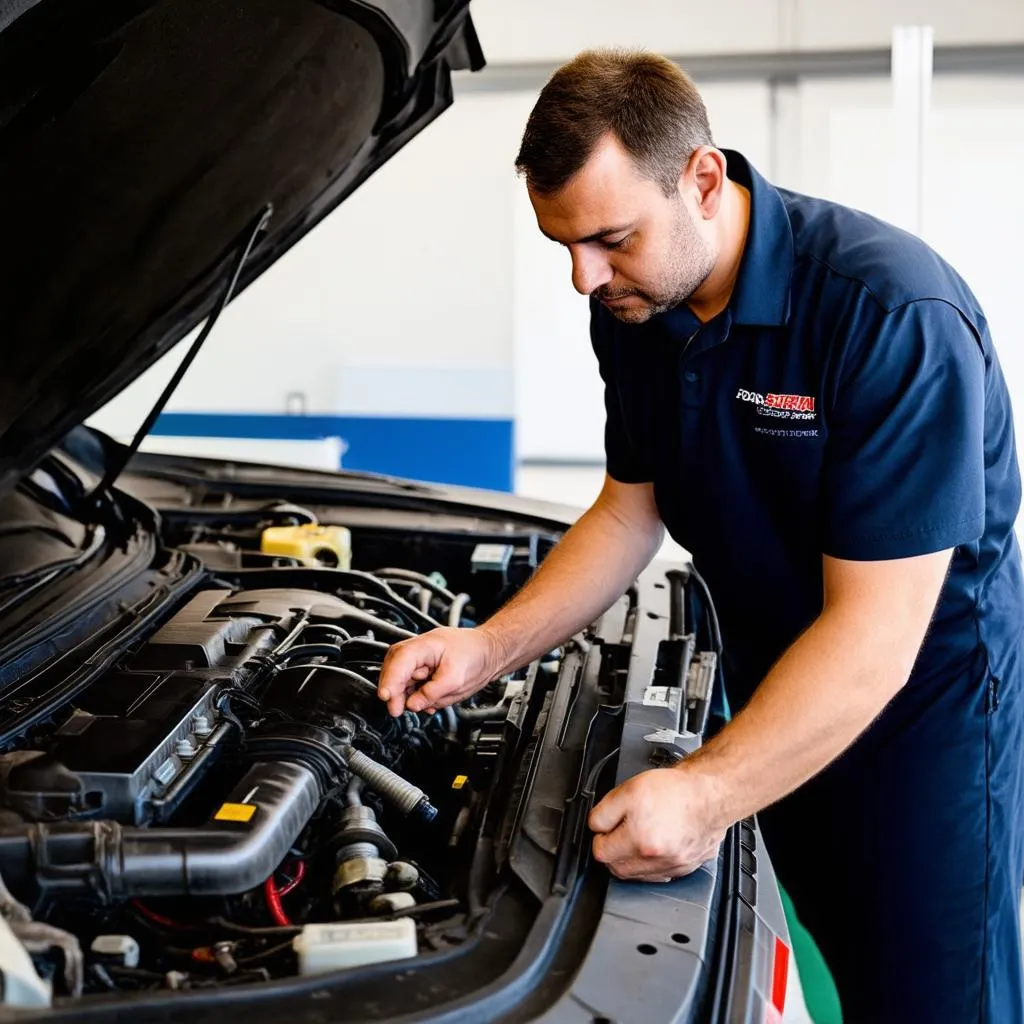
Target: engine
232,802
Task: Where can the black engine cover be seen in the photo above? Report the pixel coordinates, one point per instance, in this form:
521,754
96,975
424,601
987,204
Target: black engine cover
143,735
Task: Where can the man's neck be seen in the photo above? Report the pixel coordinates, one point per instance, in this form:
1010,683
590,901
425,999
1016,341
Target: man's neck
732,224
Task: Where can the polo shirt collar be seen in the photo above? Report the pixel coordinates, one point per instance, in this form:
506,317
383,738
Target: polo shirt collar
761,294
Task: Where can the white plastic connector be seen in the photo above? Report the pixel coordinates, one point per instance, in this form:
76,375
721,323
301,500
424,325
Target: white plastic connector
332,947
122,947
392,902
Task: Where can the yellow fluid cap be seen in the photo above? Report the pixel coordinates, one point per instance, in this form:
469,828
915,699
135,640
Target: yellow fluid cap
312,543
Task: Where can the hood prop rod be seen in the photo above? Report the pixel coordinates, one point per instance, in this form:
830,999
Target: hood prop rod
246,241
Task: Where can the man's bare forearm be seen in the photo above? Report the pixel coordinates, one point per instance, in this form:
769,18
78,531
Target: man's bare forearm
825,690
590,568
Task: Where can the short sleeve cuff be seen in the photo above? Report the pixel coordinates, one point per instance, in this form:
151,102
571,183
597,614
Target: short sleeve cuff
628,475
924,541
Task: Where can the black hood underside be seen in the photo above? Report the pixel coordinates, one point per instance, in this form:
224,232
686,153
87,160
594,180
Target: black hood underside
137,141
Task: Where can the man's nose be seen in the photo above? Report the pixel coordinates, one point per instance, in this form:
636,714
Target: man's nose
590,270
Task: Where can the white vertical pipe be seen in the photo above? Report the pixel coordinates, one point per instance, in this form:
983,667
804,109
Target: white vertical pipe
912,47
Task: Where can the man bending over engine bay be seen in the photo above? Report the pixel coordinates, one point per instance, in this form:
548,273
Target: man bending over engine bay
809,400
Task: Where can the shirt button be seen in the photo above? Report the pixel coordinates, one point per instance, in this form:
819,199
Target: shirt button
691,376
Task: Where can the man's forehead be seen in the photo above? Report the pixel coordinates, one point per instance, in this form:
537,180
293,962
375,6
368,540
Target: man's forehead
610,173
605,196
573,223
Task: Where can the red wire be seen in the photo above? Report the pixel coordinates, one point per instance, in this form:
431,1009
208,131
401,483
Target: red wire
156,918
300,873
274,894
274,904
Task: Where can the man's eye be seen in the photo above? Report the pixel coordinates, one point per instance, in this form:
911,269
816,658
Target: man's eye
618,243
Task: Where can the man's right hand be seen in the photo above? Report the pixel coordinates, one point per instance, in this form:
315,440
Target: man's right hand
439,668
586,572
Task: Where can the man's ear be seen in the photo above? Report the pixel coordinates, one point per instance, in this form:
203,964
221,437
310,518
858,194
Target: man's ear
704,176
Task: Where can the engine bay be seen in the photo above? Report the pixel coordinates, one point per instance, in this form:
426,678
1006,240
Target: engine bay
231,803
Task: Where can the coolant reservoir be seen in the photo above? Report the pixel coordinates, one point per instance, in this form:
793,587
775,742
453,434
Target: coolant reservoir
312,543
331,947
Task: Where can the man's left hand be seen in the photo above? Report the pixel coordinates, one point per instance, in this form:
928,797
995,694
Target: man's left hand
658,825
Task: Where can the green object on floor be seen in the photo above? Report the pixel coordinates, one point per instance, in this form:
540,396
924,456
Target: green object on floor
820,992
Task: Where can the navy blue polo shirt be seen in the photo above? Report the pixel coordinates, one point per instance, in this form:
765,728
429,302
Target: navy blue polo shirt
848,402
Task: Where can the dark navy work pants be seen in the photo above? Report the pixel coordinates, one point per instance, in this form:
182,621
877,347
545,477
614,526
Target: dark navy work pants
905,858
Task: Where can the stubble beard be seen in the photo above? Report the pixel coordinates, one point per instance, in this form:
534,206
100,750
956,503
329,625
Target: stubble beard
689,262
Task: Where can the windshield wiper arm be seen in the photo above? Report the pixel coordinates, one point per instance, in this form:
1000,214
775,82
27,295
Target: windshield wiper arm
247,241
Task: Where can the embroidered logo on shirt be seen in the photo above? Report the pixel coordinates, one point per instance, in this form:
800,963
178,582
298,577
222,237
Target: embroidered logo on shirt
789,407
798,403
784,407
750,396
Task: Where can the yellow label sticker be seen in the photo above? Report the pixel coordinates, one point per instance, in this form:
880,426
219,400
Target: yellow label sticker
235,812
459,781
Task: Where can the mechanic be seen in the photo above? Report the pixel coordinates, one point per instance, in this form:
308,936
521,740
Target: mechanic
810,401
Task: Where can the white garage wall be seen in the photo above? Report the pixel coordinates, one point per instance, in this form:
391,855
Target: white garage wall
527,30
842,24
974,216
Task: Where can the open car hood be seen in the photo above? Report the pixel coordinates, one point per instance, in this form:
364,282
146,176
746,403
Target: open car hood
140,138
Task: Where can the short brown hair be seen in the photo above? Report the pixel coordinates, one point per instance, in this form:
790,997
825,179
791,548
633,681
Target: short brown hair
650,104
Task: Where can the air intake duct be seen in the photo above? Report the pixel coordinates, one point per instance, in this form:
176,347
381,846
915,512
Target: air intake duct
237,849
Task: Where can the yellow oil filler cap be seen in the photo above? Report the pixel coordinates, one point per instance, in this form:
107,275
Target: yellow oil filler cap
312,543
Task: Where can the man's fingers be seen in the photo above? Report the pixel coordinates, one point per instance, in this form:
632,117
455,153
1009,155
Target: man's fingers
609,812
399,664
615,847
619,850
635,871
397,700
432,671
638,869
645,832
405,665
434,694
